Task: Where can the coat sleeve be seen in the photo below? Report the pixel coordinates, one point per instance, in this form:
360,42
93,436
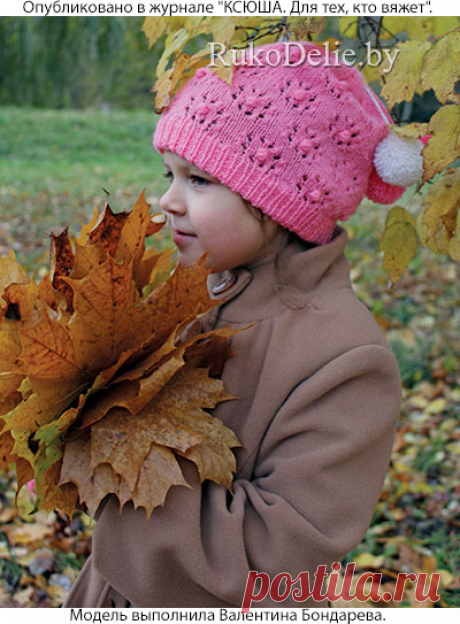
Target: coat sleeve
316,482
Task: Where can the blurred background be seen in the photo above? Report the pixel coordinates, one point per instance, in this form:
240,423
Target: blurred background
76,121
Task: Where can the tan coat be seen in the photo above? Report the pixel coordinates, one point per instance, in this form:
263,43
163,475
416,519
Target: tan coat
319,395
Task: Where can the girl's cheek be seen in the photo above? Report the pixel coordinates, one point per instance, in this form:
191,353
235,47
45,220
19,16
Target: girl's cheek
209,229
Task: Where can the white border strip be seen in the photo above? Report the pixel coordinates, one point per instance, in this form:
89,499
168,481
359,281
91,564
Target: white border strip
346,8
300,615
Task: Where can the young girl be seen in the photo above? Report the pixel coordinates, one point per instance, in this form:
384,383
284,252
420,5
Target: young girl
260,172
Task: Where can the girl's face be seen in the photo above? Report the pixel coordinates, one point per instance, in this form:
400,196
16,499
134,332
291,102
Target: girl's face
205,215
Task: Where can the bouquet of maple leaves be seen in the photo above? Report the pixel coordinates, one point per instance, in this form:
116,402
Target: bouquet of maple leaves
99,391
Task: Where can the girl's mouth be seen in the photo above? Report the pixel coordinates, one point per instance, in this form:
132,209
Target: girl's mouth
181,238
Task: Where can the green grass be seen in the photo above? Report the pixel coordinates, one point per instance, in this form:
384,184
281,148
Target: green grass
55,165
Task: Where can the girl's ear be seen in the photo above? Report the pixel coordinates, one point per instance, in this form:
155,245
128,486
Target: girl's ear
255,212
270,228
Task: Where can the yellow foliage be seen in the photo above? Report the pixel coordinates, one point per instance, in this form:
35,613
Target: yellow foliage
348,26
153,29
419,27
405,76
174,43
399,242
224,30
454,243
225,69
441,219
443,148
229,31
441,68
304,26
412,131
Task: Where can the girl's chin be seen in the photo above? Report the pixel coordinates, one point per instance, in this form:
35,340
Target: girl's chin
186,259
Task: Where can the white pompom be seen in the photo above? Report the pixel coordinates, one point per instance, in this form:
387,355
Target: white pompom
398,160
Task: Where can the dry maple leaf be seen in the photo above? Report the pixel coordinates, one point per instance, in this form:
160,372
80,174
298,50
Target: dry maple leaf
99,392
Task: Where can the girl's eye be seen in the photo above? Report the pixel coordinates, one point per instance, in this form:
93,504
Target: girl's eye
168,175
198,180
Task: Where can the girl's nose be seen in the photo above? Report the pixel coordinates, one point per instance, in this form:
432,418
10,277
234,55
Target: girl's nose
172,201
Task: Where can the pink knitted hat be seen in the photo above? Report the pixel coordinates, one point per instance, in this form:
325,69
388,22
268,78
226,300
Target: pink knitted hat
296,139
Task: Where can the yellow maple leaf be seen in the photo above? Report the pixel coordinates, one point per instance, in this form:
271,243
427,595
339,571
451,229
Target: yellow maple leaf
348,26
167,83
197,60
153,29
398,242
414,130
174,43
443,201
441,68
224,67
406,73
423,27
443,148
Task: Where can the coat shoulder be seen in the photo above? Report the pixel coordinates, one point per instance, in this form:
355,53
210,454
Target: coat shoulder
331,323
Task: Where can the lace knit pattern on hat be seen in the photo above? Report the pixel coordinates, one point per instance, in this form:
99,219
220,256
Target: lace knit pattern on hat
297,142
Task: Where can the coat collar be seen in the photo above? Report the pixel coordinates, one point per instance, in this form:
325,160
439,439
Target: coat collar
301,271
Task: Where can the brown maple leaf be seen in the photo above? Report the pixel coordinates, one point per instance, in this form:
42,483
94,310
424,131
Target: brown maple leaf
99,392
